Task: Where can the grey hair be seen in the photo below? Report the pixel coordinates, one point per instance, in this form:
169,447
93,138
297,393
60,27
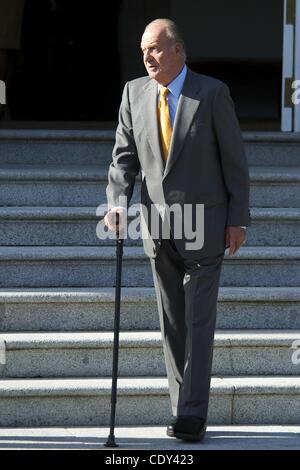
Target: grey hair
172,31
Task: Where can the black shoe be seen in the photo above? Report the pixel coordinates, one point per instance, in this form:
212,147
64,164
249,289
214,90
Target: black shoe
190,428
170,427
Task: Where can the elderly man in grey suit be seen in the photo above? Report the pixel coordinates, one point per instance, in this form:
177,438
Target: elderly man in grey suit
180,129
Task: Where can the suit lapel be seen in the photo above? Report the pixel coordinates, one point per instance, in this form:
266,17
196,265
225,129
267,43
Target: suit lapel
187,106
148,111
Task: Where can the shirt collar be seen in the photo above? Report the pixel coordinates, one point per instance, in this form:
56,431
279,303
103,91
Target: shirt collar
176,85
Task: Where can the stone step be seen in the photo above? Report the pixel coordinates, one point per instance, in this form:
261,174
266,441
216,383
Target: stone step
53,185
95,147
92,309
89,354
95,267
152,439
84,185
274,226
59,226
81,147
275,186
272,148
86,401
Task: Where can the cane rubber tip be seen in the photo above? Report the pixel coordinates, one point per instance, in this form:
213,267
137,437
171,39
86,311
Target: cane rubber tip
111,444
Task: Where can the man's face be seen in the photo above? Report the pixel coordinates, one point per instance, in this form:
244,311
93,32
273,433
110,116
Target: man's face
162,57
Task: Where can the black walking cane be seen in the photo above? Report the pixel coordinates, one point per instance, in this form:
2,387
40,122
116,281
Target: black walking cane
119,252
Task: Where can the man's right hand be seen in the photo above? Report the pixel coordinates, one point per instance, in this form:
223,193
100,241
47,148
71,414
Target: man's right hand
110,218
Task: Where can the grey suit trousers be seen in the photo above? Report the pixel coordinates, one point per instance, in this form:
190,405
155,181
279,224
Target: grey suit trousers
186,291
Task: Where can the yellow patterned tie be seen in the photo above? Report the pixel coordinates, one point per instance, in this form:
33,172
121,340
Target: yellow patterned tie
164,121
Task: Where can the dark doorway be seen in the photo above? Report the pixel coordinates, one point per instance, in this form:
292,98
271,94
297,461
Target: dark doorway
241,44
68,66
255,87
75,57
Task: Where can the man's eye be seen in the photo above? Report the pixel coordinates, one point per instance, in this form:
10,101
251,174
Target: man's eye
150,50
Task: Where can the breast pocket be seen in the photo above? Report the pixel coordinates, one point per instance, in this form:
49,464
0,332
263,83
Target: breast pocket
196,127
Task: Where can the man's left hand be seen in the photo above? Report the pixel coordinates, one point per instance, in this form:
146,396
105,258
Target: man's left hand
235,237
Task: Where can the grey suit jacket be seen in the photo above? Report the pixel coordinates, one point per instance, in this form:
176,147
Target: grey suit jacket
206,164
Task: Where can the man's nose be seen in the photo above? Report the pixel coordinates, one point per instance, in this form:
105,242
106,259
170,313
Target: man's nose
147,55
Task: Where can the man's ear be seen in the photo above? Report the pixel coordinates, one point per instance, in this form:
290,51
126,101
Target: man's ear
178,48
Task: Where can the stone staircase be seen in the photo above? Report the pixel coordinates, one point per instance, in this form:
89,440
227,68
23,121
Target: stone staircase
57,296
